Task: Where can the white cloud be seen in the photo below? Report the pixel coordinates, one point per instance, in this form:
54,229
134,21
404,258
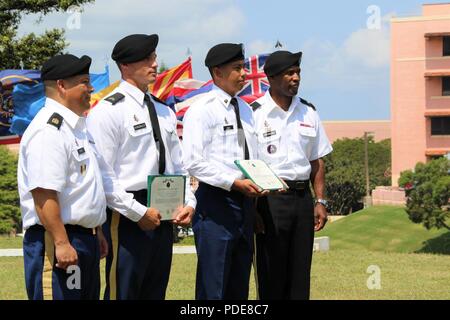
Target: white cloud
193,24
368,47
360,61
258,47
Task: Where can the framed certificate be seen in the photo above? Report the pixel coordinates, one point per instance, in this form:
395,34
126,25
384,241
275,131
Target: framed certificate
260,173
166,193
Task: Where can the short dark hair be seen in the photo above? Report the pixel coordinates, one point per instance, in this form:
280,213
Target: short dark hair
211,72
118,66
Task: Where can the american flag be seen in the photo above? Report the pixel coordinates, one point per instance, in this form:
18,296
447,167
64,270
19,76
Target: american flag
256,83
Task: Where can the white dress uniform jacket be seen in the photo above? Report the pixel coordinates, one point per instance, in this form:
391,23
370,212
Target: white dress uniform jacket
288,141
210,138
123,136
55,154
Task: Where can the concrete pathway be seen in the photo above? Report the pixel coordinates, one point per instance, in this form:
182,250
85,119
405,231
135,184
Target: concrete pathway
11,252
320,244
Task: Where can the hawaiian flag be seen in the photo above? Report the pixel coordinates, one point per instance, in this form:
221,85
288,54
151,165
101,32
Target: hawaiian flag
183,90
256,84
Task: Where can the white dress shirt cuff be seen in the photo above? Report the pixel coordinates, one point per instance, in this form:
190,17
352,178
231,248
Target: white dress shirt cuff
190,203
136,212
227,182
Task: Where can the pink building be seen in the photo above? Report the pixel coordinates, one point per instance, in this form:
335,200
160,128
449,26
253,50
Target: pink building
380,129
420,87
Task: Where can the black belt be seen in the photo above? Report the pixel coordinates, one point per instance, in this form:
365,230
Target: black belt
218,189
297,184
70,228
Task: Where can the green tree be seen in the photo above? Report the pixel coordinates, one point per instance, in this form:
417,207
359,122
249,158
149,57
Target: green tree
162,67
31,49
345,173
10,219
428,193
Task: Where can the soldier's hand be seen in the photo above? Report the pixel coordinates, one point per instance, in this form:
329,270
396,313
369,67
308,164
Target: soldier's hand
66,255
248,188
151,220
102,242
283,190
184,216
320,217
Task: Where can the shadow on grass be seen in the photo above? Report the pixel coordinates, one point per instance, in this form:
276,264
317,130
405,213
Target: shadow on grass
438,245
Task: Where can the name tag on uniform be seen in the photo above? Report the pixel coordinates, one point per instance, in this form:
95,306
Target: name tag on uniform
269,134
140,126
302,124
81,151
228,127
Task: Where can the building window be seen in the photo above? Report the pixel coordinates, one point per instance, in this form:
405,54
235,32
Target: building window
446,46
446,86
430,158
440,126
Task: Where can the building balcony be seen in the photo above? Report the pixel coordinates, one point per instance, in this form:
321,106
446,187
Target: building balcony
437,73
437,113
435,152
430,35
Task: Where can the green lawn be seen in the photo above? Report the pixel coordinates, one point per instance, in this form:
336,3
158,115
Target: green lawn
16,242
337,275
385,229
10,242
378,236
187,241
376,229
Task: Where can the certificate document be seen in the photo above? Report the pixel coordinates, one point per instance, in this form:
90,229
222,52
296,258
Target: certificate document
260,173
166,193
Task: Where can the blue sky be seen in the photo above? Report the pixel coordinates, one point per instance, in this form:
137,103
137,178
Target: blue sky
345,67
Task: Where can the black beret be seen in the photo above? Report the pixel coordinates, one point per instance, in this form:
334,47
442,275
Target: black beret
65,66
279,61
135,47
224,53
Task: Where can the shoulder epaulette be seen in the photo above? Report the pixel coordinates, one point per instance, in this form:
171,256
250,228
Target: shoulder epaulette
158,100
255,105
309,104
116,97
55,120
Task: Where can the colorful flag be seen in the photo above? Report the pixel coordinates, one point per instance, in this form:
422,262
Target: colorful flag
163,88
180,90
256,84
8,79
165,81
29,99
96,97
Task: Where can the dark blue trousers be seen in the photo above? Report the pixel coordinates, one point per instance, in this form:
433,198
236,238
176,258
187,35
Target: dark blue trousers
138,263
223,230
45,281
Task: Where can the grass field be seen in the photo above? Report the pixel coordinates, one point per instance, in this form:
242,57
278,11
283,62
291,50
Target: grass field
379,236
10,242
385,229
7,242
336,275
